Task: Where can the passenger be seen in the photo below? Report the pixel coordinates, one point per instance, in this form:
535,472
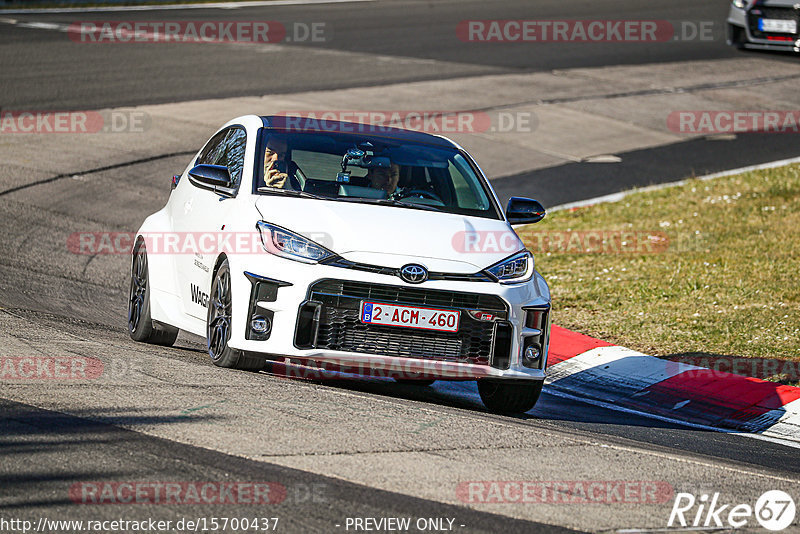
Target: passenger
275,164
385,178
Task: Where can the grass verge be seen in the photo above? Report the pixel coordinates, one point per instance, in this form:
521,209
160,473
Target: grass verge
709,267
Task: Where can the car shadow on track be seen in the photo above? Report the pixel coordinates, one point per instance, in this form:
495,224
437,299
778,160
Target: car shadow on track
463,395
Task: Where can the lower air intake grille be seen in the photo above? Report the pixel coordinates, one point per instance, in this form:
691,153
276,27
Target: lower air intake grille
340,328
780,13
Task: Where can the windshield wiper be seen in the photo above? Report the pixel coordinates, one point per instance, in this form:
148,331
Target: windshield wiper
387,202
360,200
290,193
415,206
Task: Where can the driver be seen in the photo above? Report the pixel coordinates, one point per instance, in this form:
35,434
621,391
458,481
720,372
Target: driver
274,159
384,178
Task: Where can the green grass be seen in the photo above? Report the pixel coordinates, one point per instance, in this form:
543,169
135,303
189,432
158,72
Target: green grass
728,282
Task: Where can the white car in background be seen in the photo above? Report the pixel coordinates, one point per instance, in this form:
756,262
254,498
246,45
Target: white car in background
279,244
764,24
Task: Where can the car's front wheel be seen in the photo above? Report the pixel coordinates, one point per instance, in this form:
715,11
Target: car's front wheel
218,326
506,396
140,325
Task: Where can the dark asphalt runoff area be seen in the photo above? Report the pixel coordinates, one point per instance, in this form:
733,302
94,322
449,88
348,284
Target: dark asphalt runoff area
52,451
573,182
44,69
44,452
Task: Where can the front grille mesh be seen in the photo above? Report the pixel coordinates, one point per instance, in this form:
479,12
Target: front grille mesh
782,13
340,328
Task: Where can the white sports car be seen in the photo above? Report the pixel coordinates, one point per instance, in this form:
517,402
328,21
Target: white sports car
345,247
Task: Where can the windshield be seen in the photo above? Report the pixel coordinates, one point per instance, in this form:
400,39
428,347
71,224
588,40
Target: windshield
353,168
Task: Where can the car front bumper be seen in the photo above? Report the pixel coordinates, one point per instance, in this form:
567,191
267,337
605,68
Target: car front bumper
743,28
312,310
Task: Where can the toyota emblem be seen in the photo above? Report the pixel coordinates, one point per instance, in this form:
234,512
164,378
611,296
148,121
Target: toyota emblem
413,273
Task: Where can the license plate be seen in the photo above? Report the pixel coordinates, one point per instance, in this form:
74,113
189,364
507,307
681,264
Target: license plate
777,25
409,316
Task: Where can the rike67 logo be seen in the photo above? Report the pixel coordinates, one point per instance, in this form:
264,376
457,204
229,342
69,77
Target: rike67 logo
774,510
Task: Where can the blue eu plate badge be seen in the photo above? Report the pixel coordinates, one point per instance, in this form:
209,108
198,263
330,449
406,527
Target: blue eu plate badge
366,312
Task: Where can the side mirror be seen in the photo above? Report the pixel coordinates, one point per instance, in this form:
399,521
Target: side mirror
524,211
211,177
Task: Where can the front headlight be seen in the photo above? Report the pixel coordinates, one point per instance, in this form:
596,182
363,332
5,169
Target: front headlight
282,242
514,269
741,4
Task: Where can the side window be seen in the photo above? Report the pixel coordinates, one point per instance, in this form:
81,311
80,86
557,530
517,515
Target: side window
235,144
212,152
226,148
468,195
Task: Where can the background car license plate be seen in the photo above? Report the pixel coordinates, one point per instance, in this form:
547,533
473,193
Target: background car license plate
409,316
777,25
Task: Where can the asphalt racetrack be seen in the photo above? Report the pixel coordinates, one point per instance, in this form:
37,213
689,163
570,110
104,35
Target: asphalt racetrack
349,448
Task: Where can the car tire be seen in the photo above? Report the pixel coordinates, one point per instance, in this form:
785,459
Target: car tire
511,397
414,382
141,326
218,326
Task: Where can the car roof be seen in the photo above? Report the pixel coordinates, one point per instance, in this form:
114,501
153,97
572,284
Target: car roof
286,123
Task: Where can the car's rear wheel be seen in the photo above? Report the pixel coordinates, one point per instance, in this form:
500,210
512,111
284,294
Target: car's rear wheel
140,325
506,396
218,326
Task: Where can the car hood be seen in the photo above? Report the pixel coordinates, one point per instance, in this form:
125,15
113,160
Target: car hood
391,236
